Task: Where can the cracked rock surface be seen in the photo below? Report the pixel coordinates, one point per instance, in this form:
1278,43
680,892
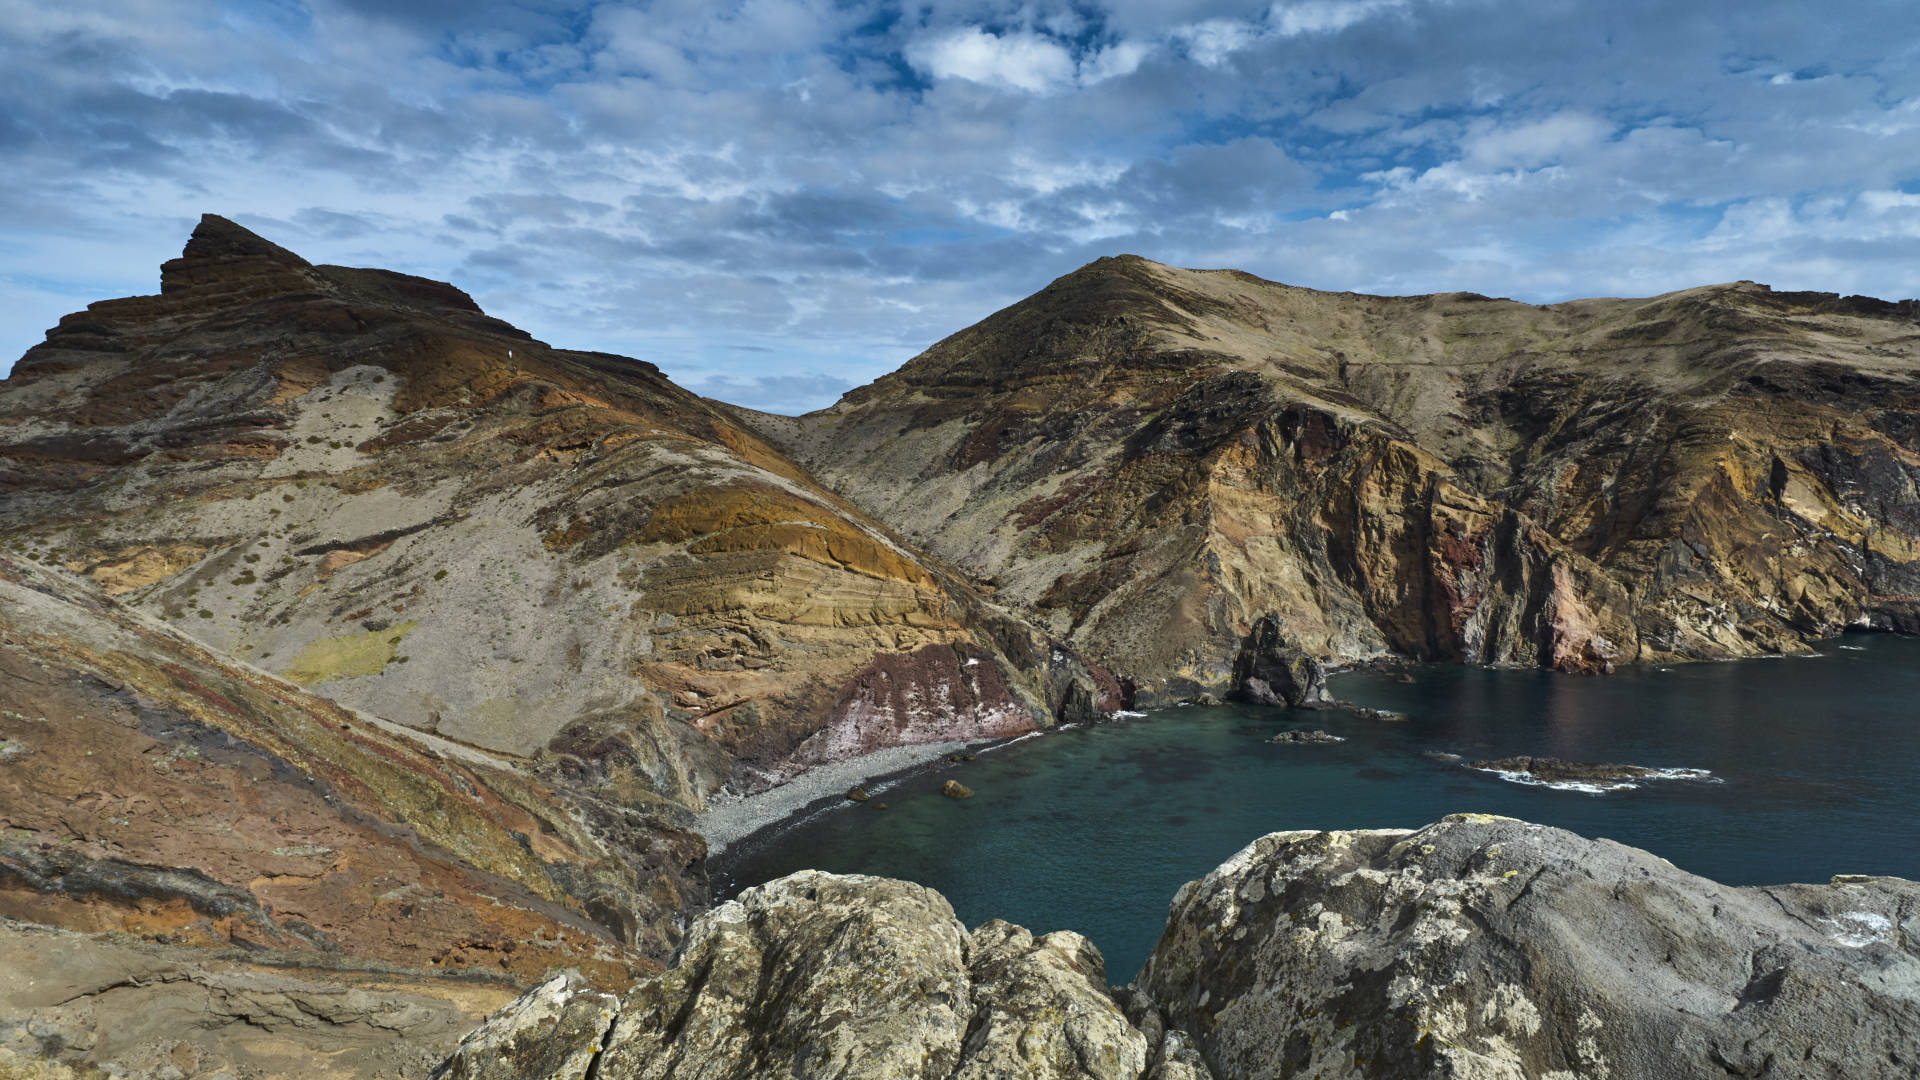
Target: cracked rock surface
1477,948
1490,947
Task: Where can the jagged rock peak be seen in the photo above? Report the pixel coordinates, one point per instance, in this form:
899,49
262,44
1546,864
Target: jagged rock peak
218,237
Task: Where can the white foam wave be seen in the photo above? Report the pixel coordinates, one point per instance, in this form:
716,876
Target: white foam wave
1127,713
1015,739
1602,787
1586,787
1852,648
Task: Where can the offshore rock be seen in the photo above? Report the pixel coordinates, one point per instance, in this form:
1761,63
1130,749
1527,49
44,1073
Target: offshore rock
1489,947
1552,770
1268,672
1306,737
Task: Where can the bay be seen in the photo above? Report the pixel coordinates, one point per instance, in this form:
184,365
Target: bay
1815,765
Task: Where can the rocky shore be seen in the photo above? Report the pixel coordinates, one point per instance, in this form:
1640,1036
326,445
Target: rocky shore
726,823
1479,946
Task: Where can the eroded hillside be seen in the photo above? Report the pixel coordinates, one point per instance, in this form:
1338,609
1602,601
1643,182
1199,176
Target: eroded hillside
1189,473
357,480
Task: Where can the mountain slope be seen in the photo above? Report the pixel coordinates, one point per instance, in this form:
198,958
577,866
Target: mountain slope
1199,476
153,788
359,481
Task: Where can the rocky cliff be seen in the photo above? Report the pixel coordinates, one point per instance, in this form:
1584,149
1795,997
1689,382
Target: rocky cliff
1192,472
1477,947
360,482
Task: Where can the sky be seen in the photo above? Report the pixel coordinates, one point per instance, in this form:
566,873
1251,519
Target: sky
778,200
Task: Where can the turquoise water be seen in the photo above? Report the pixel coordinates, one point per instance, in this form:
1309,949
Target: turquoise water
1816,763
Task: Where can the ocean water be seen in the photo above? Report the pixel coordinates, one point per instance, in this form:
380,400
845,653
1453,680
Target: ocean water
1814,763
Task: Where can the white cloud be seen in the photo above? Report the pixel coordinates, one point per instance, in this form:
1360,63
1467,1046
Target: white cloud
1291,18
1535,142
1212,41
1019,60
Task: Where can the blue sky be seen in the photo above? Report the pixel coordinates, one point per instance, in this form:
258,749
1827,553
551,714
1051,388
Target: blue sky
776,200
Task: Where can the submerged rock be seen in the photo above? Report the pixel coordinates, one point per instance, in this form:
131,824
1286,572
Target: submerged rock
1314,736
1475,947
1553,771
859,794
954,789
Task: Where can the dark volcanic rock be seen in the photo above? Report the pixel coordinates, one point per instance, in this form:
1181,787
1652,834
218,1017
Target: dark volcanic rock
1268,671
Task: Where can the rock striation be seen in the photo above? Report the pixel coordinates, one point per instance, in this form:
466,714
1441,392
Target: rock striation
1475,947
1207,480
359,481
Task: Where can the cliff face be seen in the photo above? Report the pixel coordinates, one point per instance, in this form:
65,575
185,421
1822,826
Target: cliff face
359,481
1152,461
1475,947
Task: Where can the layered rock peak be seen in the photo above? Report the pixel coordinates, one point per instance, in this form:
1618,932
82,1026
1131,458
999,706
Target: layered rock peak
221,238
359,480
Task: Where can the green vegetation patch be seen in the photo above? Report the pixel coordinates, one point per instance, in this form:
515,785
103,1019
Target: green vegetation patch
347,657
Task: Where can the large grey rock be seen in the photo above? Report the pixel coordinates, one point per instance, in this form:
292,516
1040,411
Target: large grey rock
814,975
1488,947
553,1030
820,975
1042,1010
1478,948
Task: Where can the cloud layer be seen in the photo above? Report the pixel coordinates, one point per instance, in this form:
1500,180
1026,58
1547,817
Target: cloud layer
778,199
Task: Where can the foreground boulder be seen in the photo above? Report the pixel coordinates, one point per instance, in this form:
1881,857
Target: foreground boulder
1488,947
823,975
1476,947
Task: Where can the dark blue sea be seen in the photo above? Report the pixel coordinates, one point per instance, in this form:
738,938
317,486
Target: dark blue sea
1815,765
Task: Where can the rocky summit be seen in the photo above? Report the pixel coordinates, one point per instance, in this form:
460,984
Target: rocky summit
1196,475
1477,947
358,481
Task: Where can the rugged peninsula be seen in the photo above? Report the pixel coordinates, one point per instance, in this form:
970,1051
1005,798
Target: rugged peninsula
362,658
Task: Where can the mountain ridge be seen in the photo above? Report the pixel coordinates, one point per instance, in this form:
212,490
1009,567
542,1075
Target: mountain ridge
1542,459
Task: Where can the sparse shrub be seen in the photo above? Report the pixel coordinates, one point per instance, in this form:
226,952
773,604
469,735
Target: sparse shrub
246,578
439,575
204,613
287,497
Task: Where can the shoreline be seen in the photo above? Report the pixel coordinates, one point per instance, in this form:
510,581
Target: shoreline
727,824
